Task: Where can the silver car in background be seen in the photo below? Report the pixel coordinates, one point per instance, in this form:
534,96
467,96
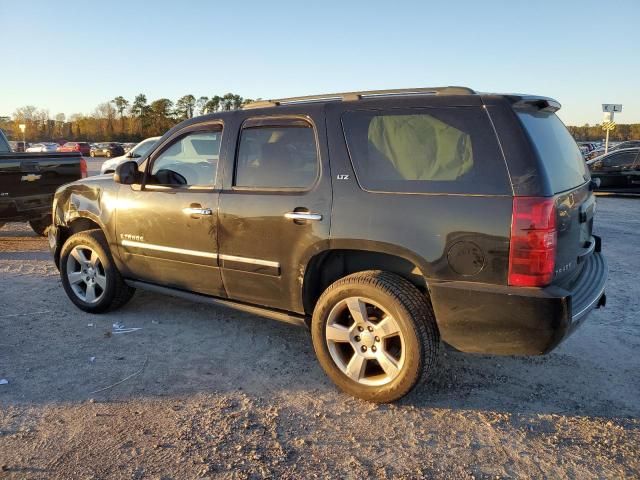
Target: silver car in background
139,151
43,147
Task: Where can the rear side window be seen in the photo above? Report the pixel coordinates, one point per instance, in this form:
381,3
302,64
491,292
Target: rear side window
426,150
622,160
277,154
556,149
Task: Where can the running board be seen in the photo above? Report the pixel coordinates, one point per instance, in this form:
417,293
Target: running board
196,297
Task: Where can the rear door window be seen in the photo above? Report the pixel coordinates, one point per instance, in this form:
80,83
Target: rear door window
276,153
425,150
556,149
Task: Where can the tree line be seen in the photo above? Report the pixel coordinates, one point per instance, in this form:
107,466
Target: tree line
116,120
628,131
132,120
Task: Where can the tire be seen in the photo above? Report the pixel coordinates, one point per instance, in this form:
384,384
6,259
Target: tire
409,357
105,289
41,226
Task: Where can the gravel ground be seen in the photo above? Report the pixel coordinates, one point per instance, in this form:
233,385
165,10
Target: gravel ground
213,393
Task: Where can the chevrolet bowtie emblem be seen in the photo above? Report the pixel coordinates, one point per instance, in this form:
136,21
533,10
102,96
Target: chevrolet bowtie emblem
32,177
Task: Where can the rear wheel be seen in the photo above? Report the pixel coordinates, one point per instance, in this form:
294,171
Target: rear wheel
41,225
89,275
375,335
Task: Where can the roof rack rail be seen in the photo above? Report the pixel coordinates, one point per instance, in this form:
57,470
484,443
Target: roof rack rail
352,96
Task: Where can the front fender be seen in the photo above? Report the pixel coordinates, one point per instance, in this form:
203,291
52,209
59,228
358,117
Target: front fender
92,201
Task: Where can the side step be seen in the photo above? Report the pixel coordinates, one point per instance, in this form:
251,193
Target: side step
196,297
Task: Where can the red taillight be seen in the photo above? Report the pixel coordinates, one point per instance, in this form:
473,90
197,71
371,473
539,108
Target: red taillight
83,167
532,249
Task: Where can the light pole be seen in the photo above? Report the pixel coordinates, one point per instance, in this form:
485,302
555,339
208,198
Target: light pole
23,128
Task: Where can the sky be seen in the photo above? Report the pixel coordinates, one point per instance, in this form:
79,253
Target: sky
68,56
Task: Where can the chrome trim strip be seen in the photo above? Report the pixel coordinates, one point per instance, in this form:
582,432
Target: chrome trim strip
161,248
254,261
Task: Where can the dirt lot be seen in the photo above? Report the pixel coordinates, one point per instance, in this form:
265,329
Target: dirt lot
216,393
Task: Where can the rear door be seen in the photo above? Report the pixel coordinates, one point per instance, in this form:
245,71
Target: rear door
275,206
569,181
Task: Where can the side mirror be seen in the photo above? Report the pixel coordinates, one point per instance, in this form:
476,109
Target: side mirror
127,173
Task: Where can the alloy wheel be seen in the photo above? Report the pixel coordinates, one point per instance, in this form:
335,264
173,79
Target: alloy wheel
86,274
365,341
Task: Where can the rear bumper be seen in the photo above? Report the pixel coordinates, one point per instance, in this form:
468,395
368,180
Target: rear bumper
503,320
25,208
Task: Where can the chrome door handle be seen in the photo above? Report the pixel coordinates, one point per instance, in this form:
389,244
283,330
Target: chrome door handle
197,211
303,216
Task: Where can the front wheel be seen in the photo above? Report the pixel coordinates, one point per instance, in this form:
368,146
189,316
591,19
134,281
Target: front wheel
375,335
89,275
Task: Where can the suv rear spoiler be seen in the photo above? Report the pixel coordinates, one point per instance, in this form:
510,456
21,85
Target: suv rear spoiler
545,104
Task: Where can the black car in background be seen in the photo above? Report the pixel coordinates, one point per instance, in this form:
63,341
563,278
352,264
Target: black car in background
619,169
107,150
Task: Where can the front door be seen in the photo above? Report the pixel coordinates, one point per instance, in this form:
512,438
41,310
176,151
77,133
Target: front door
275,208
167,227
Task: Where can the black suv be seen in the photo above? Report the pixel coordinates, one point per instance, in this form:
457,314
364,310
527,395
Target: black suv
385,221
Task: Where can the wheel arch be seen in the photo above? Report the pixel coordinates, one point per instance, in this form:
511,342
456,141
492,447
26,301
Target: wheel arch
76,225
345,258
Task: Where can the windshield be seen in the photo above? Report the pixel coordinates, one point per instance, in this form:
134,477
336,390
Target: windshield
556,149
143,148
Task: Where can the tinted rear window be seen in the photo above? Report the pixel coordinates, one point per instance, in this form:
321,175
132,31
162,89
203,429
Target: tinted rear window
425,150
556,149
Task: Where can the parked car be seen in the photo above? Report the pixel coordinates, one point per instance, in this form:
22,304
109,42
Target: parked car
583,149
612,148
139,151
619,169
82,147
107,150
18,147
384,221
627,144
589,146
28,181
43,147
